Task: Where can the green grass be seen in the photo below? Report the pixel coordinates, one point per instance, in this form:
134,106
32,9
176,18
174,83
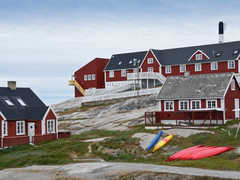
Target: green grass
122,148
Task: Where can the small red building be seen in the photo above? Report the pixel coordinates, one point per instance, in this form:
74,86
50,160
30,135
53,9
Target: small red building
89,76
204,98
24,118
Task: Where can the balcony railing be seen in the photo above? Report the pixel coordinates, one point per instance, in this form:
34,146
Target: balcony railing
146,75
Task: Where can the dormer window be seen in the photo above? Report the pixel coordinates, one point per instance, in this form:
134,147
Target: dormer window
199,56
21,102
150,60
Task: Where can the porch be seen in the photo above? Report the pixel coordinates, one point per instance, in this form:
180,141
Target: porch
185,118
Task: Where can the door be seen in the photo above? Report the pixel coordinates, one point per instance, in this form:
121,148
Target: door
236,103
31,132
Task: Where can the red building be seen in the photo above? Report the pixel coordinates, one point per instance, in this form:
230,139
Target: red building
24,118
199,99
89,76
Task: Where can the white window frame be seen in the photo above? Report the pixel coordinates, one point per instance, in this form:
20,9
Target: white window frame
123,72
4,128
85,77
198,67
50,126
211,101
111,74
199,57
20,100
233,85
183,101
214,66
231,64
150,60
21,125
89,77
168,69
200,106
150,69
93,77
182,68
171,106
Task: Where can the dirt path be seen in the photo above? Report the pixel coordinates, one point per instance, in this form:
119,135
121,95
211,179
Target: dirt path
105,170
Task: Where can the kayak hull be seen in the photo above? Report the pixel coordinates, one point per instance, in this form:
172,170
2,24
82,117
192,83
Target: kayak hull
155,140
162,142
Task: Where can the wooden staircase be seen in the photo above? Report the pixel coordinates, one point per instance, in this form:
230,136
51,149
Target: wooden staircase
78,86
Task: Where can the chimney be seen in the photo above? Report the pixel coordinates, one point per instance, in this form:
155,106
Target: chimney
12,85
221,31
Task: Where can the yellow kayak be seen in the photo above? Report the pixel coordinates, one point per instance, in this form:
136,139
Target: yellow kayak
162,142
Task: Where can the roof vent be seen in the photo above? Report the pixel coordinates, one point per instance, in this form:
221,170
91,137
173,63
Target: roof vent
221,31
236,52
218,54
130,62
12,85
120,62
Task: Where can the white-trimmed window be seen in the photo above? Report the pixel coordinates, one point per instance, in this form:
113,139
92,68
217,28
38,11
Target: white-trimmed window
85,77
195,104
214,66
233,85
199,56
20,100
20,127
123,73
4,128
93,77
168,105
198,67
111,74
183,105
150,69
211,104
182,68
231,64
168,69
89,77
150,60
51,126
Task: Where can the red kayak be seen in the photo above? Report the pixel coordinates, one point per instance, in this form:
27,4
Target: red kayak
199,152
210,152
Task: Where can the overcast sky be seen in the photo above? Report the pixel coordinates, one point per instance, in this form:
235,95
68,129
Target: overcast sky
42,42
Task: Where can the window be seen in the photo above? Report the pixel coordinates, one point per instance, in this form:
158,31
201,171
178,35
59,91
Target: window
51,126
198,56
85,77
150,69
182,68
168,105
111,74
123,73
233,85
214,66
211,104
198,67
8,102
231,64
93,77
20,127
195,104
183,105
89,77
168,69
4,128
150,60
21,102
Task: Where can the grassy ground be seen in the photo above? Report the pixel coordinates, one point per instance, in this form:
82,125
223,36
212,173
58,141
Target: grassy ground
121,147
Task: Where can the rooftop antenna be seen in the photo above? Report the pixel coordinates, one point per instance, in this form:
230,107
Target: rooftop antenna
221,31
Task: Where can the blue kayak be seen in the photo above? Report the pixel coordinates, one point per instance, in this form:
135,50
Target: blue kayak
154,141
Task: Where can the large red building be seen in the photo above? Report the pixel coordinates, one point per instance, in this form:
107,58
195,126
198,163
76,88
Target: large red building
24,118
148,69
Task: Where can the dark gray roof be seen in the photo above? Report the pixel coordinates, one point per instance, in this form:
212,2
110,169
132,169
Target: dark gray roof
126,60
34,109
195,86
182,55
